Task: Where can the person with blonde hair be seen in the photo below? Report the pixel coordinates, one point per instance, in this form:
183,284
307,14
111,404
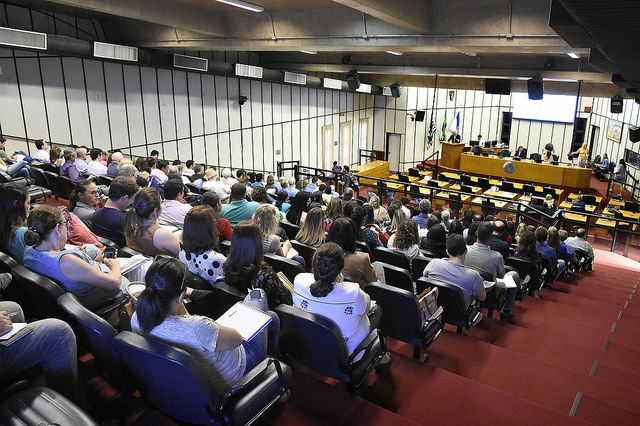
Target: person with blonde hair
380,213
267,221
399,217
312,231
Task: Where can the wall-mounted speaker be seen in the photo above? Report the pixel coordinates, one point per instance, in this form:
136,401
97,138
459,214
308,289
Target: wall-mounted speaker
420,115
395,90
505,134
353,80
579,129
497,86
616,104
535,88
634,134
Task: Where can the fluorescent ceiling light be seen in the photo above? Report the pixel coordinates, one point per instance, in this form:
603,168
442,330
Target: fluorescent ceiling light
243,4
573,55
331,83
393,52
364,88
308,52
472,54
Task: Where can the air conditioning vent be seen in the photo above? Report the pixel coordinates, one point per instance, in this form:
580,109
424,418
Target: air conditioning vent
386,91
115,51
243,70
292,77
364,88
331,83
190,62
19,38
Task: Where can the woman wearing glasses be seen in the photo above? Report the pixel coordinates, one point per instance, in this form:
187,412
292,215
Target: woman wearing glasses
92,281
219,350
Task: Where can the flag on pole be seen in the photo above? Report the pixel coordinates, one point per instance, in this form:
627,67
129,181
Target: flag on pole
432,131
443,136
458,122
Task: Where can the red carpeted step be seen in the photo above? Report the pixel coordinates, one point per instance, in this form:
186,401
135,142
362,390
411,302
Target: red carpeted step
314,402
604,371
553,350
606,306
599,412
435,396
524,376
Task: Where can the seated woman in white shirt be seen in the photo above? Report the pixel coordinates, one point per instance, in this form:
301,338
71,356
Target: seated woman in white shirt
325,293
218,350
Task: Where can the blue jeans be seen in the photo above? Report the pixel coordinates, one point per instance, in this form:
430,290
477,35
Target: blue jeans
256,348
51,344
19,169
511,302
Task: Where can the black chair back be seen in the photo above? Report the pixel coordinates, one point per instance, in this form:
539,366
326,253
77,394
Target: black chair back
290,268
414,172
589,199
107,242
104,180
477,150
403,317
549,271
525,269
66,186
417,266
96,333
225,247
7,262
38,176
306,251
362,246
290,229
391,257
54,184
41,291
536,156
317,343
527,187
628,205
466,189
403,178
396,277
451,299
505,153
465,179
508,187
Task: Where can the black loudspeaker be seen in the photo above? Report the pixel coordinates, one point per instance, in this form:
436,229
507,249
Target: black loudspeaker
353,80
634,134
505,134
535,88
579,128
497,86
616,104
395,90
420,115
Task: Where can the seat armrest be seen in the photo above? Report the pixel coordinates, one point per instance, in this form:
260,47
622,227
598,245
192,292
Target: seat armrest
369,353
254,393
432,327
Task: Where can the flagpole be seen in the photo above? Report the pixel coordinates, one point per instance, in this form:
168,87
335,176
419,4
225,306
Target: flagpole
432,126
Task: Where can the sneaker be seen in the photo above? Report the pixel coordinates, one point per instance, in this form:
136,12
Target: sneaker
506,316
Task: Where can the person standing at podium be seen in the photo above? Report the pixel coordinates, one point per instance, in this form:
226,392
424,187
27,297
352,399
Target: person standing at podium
454,138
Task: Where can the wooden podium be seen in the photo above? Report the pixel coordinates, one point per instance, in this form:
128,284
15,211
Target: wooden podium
451,154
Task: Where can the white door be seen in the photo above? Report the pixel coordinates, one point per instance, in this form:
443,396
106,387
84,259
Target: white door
393,151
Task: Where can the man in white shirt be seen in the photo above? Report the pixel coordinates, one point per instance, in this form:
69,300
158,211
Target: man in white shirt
81,161
173,208
227,179
160,171
188,170
580,242
95,167
292,186
42,155
212,184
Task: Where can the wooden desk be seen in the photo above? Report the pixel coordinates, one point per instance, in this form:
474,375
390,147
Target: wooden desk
527,171
500,194
451,154
575,217
378,169
441,184
615,203
567,205
476,189
627,214
449,175
573,196
412,179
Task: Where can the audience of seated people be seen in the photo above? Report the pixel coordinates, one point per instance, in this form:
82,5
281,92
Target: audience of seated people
328,222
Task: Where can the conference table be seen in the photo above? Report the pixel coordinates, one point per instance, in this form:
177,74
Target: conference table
527,170
377,169
567,206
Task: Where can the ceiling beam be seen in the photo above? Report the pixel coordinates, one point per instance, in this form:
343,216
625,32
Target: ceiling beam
171,13
412,15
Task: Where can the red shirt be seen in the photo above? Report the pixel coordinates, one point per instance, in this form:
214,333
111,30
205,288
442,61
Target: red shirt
224,229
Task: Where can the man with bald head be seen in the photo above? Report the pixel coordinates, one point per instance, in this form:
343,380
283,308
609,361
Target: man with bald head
580,242
497,242
112,169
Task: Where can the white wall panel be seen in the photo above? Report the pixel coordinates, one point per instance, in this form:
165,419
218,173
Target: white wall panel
151,106
196,113
33,104
167,109
56,103
11,119
116,106
238,154
77,101
183,125
222,112
135,113
97,104
233,93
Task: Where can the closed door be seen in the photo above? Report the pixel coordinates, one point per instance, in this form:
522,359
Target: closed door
393,151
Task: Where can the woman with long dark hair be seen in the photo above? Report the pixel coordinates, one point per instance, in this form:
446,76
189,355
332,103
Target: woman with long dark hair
326,293
244,268
199,249
141,227
218,350
298,210
14,207
357,265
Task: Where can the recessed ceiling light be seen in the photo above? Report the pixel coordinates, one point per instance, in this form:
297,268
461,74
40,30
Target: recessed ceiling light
308,52
393,52
573,55
469,53
243,4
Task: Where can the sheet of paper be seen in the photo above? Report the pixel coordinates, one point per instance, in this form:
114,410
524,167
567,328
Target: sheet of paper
245,319
17,326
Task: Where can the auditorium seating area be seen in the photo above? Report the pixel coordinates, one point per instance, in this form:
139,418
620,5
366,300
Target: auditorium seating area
569,356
